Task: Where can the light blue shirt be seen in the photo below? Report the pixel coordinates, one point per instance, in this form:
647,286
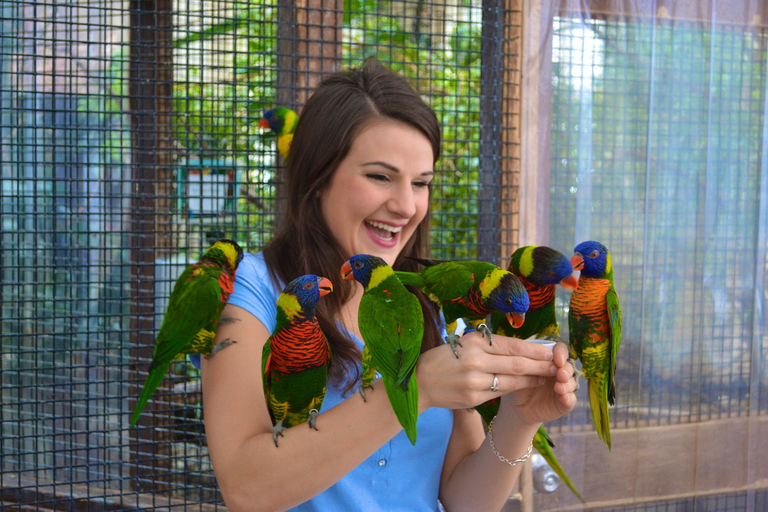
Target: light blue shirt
399,475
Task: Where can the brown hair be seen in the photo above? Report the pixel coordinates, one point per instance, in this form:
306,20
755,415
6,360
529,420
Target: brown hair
343,104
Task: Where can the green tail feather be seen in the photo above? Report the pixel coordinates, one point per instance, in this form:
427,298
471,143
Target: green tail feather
541,443
154,379
598,402
405,404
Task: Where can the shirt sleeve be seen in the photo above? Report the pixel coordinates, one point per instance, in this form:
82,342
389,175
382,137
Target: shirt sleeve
254,290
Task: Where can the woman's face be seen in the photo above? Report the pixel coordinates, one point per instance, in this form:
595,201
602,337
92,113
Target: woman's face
379,194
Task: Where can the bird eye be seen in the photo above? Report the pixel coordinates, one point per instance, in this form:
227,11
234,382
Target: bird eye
551,274
594,254
358,264
507,302
308,286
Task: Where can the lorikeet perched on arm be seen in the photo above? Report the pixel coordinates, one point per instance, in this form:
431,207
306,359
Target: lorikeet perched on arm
541,441
594,322
540,269
296,357
392,325
470,290
282,121
194,308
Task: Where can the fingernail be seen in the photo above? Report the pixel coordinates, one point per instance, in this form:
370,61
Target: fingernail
549,356
553,369
541,381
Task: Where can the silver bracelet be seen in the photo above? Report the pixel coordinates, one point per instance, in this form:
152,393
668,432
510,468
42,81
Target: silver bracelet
500,456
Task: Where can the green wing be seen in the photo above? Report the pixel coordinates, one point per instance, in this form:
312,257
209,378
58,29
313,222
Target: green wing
194,303
614,319
449,280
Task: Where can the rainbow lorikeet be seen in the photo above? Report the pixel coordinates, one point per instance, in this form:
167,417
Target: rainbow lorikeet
470,290
296,357
541,441
194,308
594,322
282,122
392,325
540,269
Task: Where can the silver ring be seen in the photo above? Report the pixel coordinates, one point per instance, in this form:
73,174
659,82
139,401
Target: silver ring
495,386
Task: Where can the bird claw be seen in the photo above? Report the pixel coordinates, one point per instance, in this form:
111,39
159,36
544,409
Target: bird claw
219,346
313,418
576,372
361,390
453,340
277,431
483,329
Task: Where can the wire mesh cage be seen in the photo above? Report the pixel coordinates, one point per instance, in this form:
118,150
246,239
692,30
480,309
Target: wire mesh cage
130,140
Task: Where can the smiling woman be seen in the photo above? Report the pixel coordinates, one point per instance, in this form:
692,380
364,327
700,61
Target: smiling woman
358,182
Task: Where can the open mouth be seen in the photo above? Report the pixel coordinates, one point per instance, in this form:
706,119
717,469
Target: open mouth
383,231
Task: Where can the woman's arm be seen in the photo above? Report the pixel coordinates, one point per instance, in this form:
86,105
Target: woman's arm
252,473
473,477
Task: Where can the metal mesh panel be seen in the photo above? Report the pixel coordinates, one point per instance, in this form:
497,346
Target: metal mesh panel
130,142
677,202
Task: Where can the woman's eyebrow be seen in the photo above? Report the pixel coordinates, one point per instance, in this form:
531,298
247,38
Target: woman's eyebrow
395,169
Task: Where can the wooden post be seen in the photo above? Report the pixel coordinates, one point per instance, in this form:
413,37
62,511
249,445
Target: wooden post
309,47
150,93
512,128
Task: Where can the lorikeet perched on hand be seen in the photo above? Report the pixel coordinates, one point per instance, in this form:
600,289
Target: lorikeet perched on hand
541,441
470,290
282,121
594,322
194,308
296,357
539,268
392,325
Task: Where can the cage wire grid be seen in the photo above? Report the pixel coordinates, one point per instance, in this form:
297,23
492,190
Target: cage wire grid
96,227
130,143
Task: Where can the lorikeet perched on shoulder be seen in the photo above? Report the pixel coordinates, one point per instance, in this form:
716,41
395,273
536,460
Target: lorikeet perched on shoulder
282,121
541,441
194,308
470,290
540,269
296,357
392,325
594,322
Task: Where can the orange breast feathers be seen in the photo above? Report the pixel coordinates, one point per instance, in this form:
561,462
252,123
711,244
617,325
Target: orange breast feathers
299,347
588,300
539,296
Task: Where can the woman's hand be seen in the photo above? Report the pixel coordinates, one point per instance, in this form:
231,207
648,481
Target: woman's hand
459,383
556,398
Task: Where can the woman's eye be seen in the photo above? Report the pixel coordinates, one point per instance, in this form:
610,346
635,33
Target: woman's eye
420,184
378,177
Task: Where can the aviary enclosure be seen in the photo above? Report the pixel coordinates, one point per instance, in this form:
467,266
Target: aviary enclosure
129,140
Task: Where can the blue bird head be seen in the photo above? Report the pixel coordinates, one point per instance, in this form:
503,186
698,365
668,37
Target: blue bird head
511,298
549,267
308,289
592,259
360,267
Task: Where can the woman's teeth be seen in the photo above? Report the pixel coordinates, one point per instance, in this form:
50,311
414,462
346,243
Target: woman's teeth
383,231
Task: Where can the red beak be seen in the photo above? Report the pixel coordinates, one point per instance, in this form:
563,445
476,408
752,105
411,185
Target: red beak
263,123
577,261
346,271
516,319
570,282
325,286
